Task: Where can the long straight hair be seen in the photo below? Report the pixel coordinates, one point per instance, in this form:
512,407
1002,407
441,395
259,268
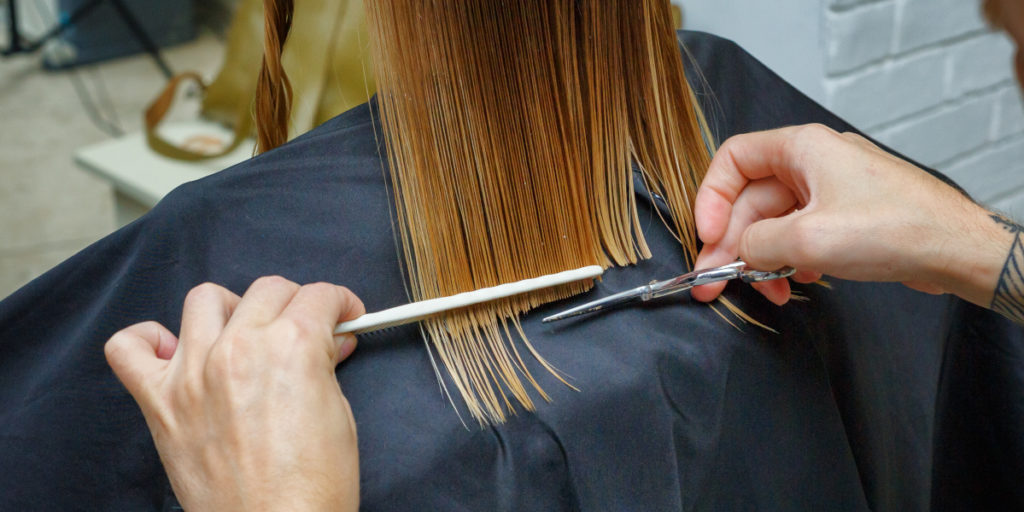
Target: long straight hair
514,131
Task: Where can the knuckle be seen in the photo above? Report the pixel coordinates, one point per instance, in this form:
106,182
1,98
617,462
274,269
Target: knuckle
148,326
319,289
729,143
299,328
807,141
115,346
353,303
272,282
812,135
122,340
816,131
272,285
203,292
856,139
295,336
732,144
297,341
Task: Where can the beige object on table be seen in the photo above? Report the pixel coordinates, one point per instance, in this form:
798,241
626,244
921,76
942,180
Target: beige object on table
141,177
325,57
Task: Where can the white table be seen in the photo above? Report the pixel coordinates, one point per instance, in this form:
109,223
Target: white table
141,177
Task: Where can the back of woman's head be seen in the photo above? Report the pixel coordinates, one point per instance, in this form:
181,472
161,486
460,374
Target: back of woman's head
513,129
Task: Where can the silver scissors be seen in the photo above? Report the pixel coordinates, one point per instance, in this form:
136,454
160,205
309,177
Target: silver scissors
735,270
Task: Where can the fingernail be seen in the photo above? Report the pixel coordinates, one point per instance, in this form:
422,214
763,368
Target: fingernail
348,345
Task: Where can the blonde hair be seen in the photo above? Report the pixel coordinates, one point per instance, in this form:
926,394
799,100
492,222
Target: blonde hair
512,130
273,102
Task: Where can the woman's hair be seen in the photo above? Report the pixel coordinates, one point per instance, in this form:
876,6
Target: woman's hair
273,90
516,134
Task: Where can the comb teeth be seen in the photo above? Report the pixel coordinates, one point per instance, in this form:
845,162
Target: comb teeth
384,326
416,311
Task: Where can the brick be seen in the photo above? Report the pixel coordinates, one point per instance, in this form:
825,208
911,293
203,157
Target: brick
923,22
842,4
889,91
846,4
980,62
942,135
1009,114
858,36
993,174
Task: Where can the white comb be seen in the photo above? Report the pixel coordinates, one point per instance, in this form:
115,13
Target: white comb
409,313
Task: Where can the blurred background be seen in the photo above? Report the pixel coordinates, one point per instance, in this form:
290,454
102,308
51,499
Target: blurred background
927,77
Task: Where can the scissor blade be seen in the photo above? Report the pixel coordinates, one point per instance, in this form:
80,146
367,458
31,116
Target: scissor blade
599,304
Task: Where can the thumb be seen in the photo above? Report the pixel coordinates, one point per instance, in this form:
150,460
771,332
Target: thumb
138,355
767,244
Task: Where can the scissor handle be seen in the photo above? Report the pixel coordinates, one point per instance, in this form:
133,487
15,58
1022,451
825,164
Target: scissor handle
695,278
736,269
756,276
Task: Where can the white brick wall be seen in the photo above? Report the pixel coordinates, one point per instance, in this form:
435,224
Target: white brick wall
942,91
858,36
887,91
926,77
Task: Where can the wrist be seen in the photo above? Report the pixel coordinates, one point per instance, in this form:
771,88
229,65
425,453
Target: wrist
973,254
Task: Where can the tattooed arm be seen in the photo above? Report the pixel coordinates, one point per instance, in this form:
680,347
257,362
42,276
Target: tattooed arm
1008,298
831,203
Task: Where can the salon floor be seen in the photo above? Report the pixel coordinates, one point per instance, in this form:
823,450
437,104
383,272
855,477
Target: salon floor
50,208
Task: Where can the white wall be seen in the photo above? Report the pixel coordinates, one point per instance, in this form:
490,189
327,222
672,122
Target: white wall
924,76
782,33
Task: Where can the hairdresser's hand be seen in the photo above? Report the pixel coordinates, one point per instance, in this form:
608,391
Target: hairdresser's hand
244,406
830,203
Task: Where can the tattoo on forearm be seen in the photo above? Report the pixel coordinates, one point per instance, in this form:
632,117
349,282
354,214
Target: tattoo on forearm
1009,296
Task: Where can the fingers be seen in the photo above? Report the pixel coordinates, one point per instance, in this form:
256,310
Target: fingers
206,311
760,199
767,244
310,311
264,301
752,181
739,161
763,245
777,290
710,256
322,306
138,355
805,276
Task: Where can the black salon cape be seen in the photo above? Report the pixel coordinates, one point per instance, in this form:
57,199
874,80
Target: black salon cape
871,395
